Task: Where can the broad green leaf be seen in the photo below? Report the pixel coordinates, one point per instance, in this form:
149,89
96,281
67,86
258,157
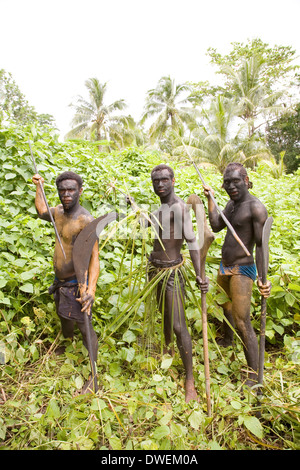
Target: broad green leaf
166,418
290,299
10,176
79,382
157,378
129,336
128,354
98,403
116,443
161,432
2,431
53,409
236,404
115,369
4,300
279,329
254,426
195,419
295,287
166,362
25,275
223,369
71,356
28,288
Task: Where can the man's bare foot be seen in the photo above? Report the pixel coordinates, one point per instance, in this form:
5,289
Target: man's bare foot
190,391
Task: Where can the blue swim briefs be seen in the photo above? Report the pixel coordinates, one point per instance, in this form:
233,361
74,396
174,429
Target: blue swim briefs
248,270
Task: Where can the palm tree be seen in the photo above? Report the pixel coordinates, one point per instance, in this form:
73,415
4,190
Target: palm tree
211,141
162,103
93,118
125,132
254,100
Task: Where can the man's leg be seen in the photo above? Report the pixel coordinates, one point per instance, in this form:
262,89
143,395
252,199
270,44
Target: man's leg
240,292
227,338
67,327
174,320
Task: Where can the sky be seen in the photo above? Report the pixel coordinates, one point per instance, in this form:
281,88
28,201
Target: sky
52,47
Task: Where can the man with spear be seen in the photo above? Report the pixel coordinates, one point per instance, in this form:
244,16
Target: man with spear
73,302
173,226
247,217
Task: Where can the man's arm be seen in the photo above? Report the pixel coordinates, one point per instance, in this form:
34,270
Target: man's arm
40,204
215,220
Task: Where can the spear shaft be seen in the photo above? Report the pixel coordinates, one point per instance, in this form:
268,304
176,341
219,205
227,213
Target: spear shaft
230,227
47,205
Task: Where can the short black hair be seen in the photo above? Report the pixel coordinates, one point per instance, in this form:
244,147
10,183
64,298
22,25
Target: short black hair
69,175
162,166
242,170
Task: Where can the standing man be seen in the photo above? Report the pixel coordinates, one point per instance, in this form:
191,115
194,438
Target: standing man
237,271
173,227
70,218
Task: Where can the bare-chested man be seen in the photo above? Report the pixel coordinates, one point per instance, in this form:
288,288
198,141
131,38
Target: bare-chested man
175,227
237,271
70,218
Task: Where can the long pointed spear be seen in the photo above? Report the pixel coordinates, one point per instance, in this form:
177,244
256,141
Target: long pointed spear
206,237
230,227
48,208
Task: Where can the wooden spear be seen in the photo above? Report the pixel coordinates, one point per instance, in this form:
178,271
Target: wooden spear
48,208
230,227
206,238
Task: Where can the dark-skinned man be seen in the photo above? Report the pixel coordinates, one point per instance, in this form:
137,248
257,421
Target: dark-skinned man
174,227
237,270
70,218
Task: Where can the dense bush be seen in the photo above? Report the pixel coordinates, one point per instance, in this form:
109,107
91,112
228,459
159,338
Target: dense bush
141,402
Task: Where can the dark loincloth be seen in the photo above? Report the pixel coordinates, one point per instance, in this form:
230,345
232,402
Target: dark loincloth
65,293
173,280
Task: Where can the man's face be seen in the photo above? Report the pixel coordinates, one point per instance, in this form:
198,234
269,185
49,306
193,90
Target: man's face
235,185
69,193
162,183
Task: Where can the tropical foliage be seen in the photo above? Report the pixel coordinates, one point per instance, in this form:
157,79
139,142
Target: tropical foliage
94,119
14,106
140,404
232,121
171,113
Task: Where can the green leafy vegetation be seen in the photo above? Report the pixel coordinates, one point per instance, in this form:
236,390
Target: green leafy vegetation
140,404
252,117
